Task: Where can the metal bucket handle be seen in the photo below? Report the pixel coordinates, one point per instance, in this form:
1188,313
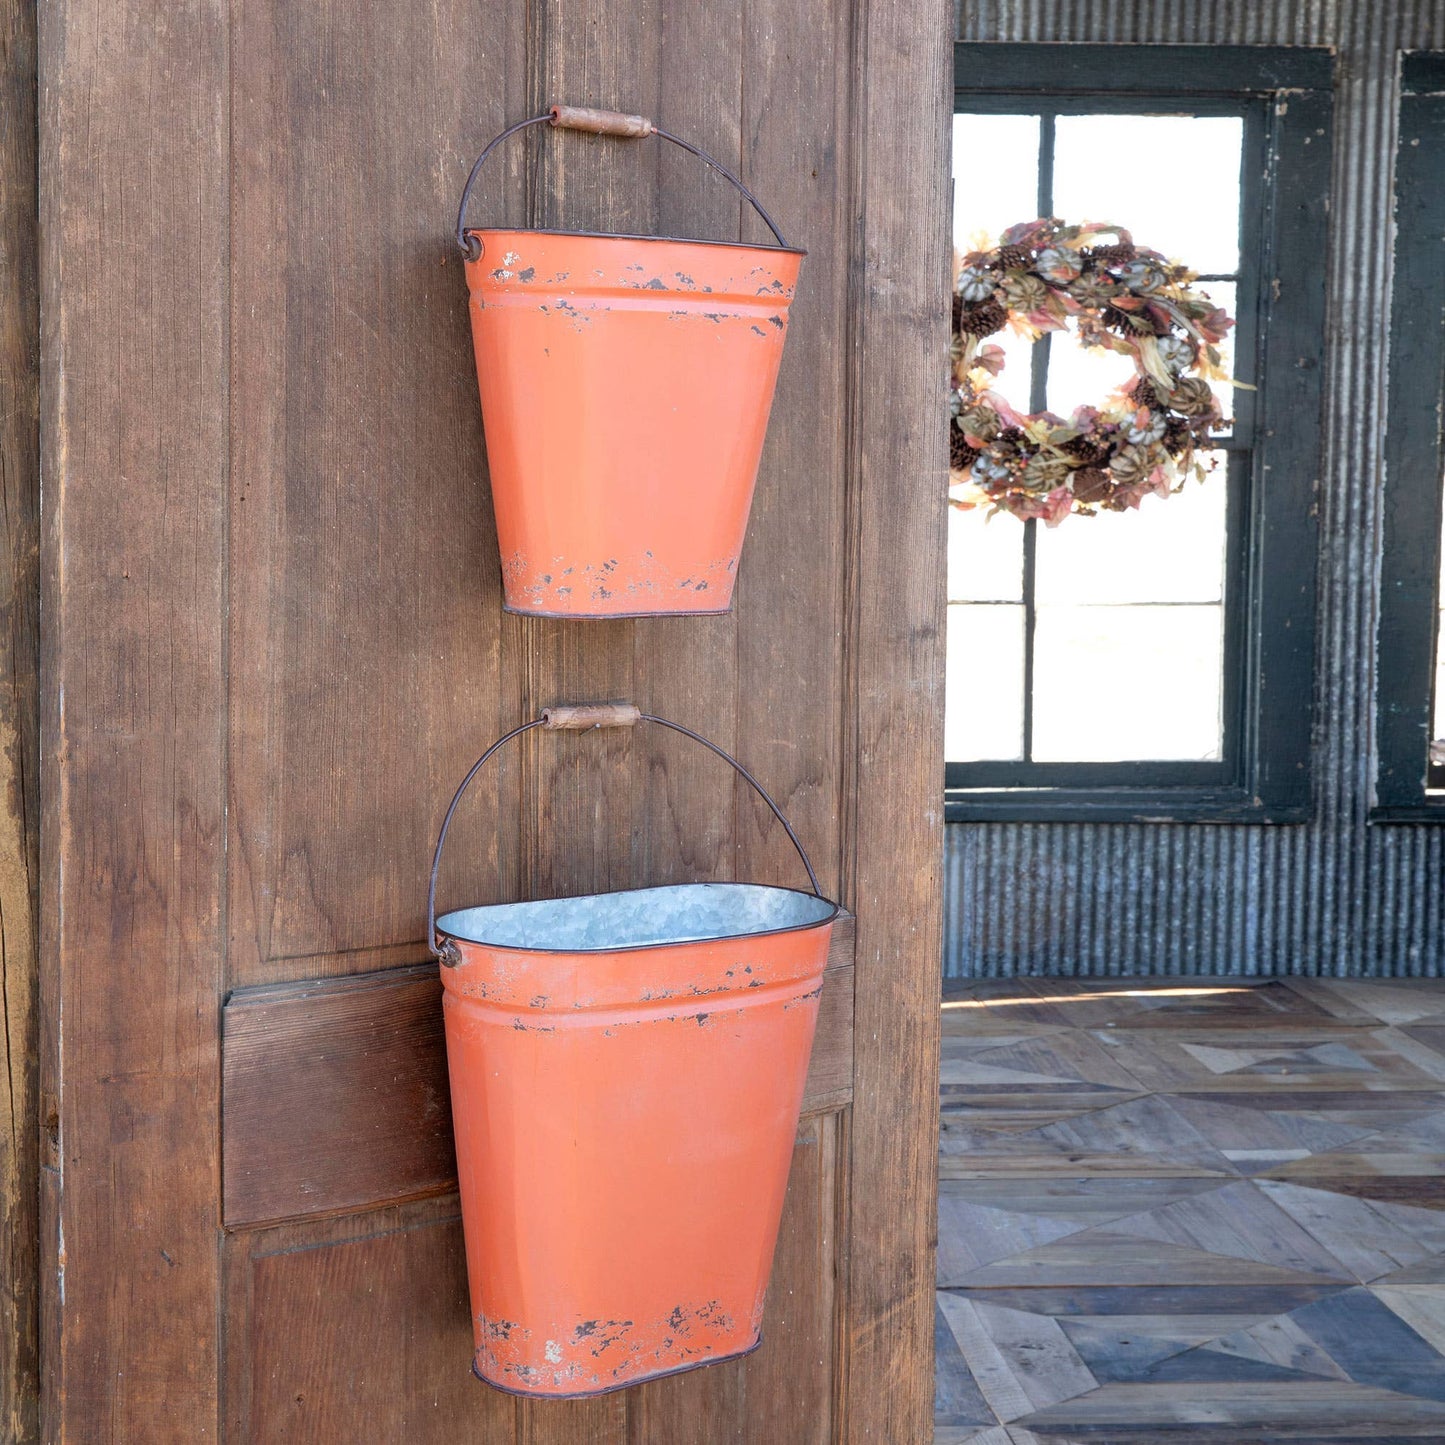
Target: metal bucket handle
599,122
583,717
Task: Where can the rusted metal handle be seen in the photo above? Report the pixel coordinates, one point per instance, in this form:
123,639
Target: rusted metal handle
600,122
578,717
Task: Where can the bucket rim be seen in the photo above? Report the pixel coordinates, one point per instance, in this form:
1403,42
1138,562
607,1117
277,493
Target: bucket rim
827,920
483,231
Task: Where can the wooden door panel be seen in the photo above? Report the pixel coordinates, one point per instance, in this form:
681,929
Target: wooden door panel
365,632
356,1330
275,625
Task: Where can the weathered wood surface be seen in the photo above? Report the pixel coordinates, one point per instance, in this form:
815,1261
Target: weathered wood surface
1249,1246
895,693
134,235
336,1097
271,355
19,727
365,629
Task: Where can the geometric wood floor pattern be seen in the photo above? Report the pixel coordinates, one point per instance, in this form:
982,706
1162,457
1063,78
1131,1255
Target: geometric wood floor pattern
1196,1210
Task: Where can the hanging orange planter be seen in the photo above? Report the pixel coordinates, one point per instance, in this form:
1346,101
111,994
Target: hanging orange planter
626,383
626,1076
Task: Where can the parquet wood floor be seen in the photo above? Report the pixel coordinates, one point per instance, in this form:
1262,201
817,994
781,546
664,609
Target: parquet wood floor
1196,1209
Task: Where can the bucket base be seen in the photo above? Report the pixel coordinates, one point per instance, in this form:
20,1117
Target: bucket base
621,1385
612,616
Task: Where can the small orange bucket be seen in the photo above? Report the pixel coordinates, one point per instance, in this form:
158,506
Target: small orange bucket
627,1071
626,383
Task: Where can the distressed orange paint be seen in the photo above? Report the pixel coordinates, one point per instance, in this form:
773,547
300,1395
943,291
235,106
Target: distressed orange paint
624,1127
625,385
627,1071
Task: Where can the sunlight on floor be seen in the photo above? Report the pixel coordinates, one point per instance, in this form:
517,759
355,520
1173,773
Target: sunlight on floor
1034,998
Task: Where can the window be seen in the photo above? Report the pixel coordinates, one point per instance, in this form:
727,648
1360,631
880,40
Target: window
1156,664
1411,644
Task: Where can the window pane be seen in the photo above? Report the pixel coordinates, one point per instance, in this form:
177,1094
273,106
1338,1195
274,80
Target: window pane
1117,684
1080,377
984,696
985,557
1100,174
996,176
1170,550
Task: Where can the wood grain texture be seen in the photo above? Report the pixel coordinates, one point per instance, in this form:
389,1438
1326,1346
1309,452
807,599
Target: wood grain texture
134,234
895,688
19,727
1266,1260
336,1095
365,630
356,1329
275,366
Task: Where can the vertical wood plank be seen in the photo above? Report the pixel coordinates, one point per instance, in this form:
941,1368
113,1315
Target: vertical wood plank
686,667
366,628
797,144
134,237
356,1330
897,527
19,725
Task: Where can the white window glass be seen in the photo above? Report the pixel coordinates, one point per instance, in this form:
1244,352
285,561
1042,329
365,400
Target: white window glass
984,694
1098,177
1170,550
1080,377
1127,657
985,557
998,156
1128,683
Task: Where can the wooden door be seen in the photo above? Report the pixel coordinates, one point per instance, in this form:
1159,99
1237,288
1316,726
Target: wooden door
273,642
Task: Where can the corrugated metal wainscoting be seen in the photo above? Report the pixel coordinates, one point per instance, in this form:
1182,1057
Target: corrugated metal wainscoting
1333,896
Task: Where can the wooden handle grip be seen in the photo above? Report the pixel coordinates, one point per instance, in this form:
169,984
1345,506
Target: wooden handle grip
600,122
578,717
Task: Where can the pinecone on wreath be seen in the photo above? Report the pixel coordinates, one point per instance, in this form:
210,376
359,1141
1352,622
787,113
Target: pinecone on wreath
1092,485
1117,255
1087,449
1012,258
1124,322
981,321
960,454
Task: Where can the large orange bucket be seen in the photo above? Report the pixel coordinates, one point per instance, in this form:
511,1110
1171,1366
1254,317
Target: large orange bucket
626,1075
626,383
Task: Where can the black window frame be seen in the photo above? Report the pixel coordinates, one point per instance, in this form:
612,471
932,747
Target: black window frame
1286,98
1406,638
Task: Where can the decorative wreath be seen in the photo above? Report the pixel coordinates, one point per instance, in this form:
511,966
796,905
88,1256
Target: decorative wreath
1143,439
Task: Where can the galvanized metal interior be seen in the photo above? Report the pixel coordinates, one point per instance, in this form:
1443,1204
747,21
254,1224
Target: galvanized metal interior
638,917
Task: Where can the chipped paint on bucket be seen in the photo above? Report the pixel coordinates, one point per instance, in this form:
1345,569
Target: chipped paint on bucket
627,1071
625,384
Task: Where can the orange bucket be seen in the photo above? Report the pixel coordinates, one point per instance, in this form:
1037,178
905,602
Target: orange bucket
626,1075
626,383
